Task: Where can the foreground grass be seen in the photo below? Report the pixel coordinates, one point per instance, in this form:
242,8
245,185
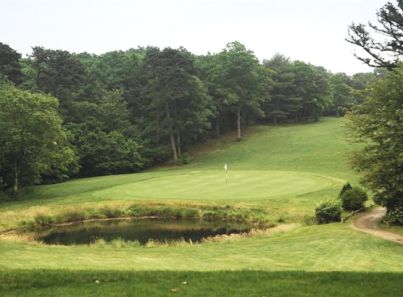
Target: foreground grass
188,283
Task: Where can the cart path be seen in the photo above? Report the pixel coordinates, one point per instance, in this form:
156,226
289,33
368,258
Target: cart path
368,222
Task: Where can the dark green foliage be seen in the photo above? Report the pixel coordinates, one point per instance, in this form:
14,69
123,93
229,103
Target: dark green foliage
342,94
301,92
328,212
10,68
59,73
353,199
105,140
239,75
284,98
185,158
175,107
312,86
32,140
378,123
127,110
394,217
345,187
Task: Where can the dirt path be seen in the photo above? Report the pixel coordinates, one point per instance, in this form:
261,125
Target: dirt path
368,222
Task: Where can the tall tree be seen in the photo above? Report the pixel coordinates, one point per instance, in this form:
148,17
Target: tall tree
378,123
105,140
342,94
32,141
241,81
175,101
116,70
385,53
9,64
210,71
284,100
59,73
312,86
359,82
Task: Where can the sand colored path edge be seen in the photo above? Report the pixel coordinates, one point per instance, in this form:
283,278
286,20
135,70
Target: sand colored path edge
368,222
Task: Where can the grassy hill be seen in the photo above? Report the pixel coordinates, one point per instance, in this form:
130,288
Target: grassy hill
285,170
285,167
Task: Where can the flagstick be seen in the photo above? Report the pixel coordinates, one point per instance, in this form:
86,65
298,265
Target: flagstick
226,172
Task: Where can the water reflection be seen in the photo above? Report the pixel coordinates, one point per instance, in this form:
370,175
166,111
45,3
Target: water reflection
137,230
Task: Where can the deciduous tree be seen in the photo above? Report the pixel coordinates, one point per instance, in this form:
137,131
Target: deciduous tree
378,123
32,141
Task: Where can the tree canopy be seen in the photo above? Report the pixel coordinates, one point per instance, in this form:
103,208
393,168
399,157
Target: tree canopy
32,141
10,68
378,122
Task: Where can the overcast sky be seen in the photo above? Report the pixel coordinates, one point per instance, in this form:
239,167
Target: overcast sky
309,30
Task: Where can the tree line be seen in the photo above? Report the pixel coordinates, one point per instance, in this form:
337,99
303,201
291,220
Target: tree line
65,114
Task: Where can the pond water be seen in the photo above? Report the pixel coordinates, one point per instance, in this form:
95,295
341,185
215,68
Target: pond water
137,230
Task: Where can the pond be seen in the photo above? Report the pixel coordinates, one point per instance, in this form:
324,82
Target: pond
143,230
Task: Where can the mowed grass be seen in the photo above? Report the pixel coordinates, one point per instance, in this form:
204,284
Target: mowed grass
286,170
189,283
285,167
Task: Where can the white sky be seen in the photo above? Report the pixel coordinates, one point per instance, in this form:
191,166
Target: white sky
308,30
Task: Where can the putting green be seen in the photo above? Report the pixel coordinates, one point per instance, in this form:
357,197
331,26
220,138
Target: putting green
242,185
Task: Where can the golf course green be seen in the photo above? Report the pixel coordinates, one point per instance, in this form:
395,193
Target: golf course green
283,171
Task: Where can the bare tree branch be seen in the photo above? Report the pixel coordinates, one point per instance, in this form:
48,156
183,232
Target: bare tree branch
386,53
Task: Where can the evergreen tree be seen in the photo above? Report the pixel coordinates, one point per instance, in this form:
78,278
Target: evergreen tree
10,68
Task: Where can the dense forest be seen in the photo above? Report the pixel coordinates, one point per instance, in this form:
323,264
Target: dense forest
66,114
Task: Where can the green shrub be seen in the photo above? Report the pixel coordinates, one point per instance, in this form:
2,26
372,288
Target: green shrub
353,199
345,188
394,217
328,212
185,159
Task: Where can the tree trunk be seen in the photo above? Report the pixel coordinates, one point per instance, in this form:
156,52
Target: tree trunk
217,126
178,138
15,177
171,133
238,120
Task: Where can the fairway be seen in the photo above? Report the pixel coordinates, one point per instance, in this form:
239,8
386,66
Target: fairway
264,169
277,185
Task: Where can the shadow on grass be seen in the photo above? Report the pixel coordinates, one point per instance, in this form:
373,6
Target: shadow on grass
189,283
